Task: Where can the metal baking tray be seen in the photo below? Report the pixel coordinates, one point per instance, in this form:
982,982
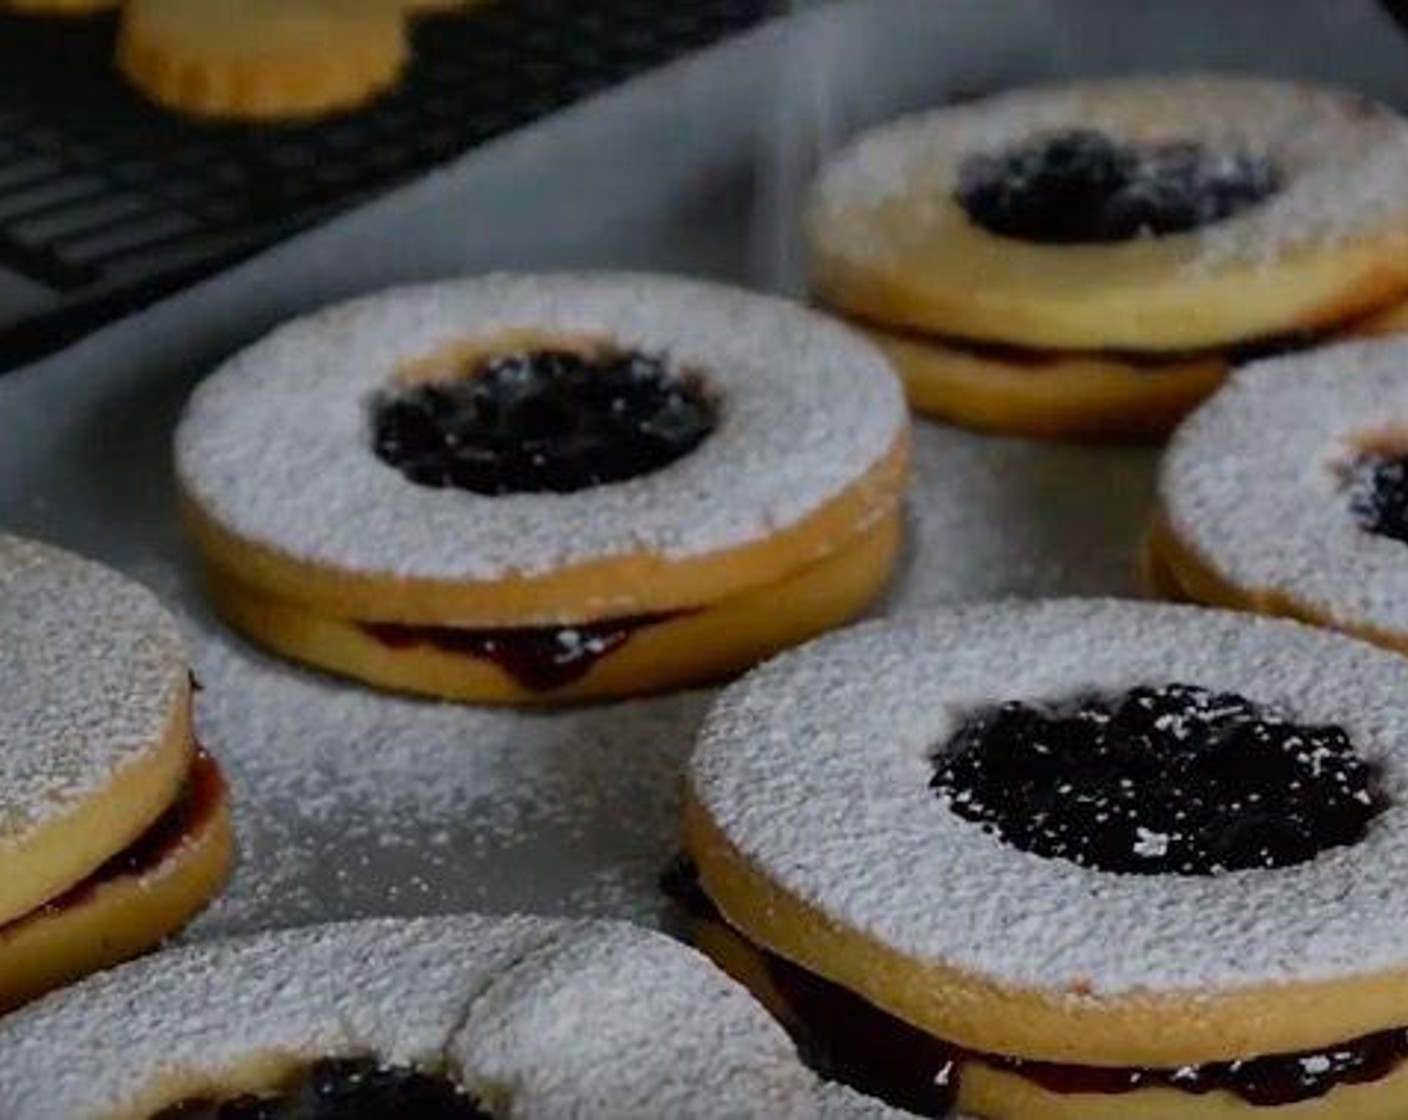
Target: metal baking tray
351,803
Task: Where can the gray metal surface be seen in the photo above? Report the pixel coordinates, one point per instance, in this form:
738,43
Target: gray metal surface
350,803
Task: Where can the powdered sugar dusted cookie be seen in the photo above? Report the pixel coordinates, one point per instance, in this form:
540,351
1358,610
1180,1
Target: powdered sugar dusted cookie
1090,259
1286,493
1077,858
113,829
441,1019
546,487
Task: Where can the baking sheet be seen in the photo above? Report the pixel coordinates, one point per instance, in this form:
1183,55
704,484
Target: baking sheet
351,803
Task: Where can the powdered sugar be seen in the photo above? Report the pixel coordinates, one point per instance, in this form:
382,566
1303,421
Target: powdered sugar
817,768
1256,482
340,790
351,803
536,1018
91,668
1342,160
276,445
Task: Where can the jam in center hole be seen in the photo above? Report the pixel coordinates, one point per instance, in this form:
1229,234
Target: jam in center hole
1082,186
1378,495
342,1089
544,421
1170,780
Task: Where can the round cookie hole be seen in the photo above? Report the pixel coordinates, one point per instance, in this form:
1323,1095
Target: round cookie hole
1172,779
1373,474
530,413
1082,186
341,1089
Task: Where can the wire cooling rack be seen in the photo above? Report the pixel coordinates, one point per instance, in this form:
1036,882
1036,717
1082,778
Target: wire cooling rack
107,202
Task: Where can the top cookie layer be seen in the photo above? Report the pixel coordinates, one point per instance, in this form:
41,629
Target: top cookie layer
276,447
817,767
91,670
1257,483
891,242
536,1018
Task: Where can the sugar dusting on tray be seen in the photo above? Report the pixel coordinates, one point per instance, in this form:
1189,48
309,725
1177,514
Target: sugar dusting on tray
350,802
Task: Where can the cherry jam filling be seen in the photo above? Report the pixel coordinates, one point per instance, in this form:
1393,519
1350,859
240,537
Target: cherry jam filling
1083,187
540,659
342,1089
847,1039
544,421
1171,780
1378,495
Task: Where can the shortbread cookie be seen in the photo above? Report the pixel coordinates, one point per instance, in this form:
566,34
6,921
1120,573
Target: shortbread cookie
262,59
1094,396
1087,859
522,489
58,7
462,1018
1112,247
1286,493
113,829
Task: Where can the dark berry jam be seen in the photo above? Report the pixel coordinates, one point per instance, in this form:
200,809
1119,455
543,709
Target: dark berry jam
1176,779
1082,186
343,1089
1279,1079
198,802
847,1039
1378,496
838,1034
545,421
541,659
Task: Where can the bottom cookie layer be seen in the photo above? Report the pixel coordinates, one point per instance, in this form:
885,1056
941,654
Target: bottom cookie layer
1174,571
1095,396
611,658
852,1041
131,903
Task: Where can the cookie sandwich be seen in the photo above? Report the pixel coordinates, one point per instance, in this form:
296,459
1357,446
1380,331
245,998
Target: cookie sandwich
537,489
1090,260
1071,859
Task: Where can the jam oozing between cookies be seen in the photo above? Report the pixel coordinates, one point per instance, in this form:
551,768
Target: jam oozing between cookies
1082,186
1176,779
1378,495
544,421
342,1089
850,1040
194,808
541,659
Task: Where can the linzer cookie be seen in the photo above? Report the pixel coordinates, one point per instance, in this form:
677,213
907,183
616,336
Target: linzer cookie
535,489
1287,493
463,1018
1090,260
262,59
114,825
1076,859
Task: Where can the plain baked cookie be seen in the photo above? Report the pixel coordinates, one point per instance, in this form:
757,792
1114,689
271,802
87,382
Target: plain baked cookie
1091,259
546,488
1077,859
1287,493
463,1018
114,826
58,7
262,59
